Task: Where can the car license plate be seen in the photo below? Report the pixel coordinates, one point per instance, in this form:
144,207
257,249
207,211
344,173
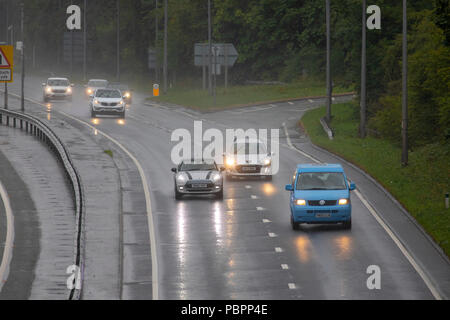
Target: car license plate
323,215
248,169
199,185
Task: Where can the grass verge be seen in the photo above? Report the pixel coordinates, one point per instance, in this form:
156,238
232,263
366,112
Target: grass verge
238,96
420,187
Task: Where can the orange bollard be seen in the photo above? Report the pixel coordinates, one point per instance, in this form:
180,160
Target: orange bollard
156,90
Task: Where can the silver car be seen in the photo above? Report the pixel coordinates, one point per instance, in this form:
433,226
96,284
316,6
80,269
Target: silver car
107,101
198,177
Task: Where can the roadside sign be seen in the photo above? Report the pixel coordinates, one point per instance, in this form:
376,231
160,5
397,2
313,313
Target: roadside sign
226,54
6,63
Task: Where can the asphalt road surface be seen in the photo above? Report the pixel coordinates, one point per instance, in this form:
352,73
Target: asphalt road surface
243,247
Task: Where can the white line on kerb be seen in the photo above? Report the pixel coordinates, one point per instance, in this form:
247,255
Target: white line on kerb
386,228
9,242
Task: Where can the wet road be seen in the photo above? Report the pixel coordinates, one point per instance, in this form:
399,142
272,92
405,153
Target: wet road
243,247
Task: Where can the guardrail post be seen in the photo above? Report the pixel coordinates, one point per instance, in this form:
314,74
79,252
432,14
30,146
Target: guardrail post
14,122
1,118
21,124
7,120
26,126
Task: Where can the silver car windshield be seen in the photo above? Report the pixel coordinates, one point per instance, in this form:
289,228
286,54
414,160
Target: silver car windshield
197,166
321,181
108,94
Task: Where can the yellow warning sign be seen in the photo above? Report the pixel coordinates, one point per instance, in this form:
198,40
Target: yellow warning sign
6,63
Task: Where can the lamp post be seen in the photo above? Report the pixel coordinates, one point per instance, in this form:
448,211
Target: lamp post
362,124
329,89
165,49
209,49
22,98
405,89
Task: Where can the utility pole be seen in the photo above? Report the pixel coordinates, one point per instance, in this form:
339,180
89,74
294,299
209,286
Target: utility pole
362,124
329,89
156,42
118,40
165,49
209,49
405,89
84,40
22,99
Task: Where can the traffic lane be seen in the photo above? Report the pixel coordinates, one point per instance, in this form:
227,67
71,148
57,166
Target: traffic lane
340,257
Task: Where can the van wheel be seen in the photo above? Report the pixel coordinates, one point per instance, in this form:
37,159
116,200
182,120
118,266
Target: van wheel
295,225
178,195
93,114
219,195
348,224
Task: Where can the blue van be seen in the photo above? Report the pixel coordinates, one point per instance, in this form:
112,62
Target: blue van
320,193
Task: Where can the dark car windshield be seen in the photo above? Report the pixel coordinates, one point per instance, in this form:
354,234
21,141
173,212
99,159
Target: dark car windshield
108,94
321,181
58,82
202,166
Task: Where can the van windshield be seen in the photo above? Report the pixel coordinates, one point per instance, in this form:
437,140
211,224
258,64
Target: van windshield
321,181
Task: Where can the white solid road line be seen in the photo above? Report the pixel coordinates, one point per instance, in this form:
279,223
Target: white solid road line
386,228
9,242
155,280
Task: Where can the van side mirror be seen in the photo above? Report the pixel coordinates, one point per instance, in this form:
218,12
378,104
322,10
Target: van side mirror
289,187
222,169
352,186
174,170
72,85
43,84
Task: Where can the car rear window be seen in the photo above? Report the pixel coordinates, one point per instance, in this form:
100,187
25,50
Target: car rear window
321,181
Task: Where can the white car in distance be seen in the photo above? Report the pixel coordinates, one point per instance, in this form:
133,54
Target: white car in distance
56,88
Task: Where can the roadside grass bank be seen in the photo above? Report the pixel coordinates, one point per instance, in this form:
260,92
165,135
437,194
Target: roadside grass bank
420,187
239,96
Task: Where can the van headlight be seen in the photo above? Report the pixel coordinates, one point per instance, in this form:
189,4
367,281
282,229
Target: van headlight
48,90
343,202
300,202
267,162
69,90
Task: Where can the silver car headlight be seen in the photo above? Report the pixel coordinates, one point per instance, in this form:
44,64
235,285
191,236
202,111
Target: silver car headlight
181,178
216,177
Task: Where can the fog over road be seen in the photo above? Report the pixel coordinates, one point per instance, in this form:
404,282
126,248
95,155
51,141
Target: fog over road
244,247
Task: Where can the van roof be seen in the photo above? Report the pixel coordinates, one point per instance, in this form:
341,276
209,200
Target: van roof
325,167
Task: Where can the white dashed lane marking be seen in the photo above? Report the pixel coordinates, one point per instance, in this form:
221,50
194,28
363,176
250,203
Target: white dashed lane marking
278,249
292,286
284,266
